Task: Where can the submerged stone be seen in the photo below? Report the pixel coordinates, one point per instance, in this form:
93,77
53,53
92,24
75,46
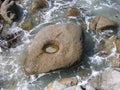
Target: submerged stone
107,11
5,79
73,12
27,25
54,47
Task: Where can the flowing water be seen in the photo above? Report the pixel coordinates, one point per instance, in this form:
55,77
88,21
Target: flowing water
12,76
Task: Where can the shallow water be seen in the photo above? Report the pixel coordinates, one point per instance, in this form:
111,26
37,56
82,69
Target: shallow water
11,61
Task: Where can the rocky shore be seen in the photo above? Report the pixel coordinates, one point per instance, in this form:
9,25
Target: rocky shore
107,80
70,35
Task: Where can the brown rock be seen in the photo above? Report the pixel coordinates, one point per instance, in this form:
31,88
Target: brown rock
55,86
39,4
30,21
114,61
65,82
73,12
27,25
108,80
107,45
102,45
71,81
118,46
93,23
9,11
110,43
83,25
101,23
106,49
54,47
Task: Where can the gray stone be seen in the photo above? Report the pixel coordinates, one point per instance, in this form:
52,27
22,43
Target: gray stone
108,80
101,23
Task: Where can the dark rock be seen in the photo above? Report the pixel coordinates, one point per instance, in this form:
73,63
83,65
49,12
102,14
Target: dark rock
10,40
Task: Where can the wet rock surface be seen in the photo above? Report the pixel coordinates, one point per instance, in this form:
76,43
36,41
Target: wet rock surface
67,84
73,12
101,23
118,45
108,80
9,11
38,5
62,84
67,38
27,24
110,43
10,40
106,48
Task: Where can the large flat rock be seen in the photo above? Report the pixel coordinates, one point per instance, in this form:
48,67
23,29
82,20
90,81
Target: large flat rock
55,46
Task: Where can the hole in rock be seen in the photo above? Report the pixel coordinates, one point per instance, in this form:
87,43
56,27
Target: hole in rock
51,47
